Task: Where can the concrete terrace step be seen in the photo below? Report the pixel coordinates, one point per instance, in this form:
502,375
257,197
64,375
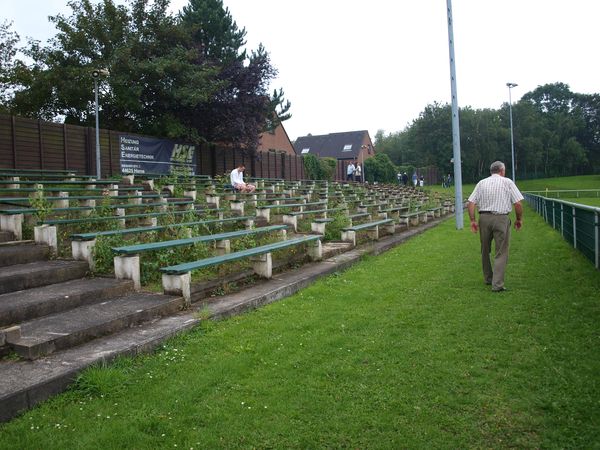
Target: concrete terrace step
40,273
20,306
6,236
59,331
22,252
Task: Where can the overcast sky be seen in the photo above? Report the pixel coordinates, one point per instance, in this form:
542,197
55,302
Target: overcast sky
350,65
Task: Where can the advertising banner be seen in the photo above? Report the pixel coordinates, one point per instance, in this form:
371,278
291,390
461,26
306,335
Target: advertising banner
143,155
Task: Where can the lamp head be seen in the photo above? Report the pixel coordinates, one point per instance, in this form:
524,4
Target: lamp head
511,85
96,73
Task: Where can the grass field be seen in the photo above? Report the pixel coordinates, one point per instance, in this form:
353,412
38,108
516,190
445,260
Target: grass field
405,350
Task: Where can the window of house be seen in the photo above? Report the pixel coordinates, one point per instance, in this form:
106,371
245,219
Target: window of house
347,148
305,151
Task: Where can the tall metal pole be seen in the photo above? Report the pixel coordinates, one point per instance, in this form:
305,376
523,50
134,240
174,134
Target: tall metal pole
97,130
458,200
512,140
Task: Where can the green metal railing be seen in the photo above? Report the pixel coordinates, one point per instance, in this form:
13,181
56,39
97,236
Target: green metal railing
578,224
568,193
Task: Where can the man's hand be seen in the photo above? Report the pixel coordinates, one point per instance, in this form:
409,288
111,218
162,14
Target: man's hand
518,224
474,227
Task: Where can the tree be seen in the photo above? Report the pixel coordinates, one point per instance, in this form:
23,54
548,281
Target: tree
380,168
8,50
182,77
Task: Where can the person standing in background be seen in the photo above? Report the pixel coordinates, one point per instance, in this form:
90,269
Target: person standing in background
350,171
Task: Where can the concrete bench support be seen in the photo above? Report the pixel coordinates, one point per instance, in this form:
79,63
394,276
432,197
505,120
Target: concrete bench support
223,246
191,194
237,206
291,220
12,223
213,200
83,251
128,268
63,202
263,265
178,285
46,234
349,236
265,213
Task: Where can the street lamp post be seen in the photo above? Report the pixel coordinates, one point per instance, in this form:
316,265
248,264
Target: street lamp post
95,75
512,140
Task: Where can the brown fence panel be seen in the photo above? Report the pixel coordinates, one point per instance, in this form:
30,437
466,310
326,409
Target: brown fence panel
32,144
6,150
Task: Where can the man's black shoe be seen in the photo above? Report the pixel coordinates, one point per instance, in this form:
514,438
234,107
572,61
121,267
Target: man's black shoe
502,289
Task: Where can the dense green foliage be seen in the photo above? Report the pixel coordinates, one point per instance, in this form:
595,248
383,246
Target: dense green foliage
184,76
420,355
319,168
556,133
380,168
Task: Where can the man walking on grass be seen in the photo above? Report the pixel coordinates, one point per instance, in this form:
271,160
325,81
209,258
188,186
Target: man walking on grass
494,197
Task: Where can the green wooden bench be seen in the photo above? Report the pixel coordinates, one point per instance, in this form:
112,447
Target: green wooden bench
177,279
123,219
395,210
291,218
411,219
127,263
82,244
355,216
372,228
265,211
435,212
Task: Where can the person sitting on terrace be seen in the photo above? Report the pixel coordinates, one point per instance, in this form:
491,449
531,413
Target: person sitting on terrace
237,180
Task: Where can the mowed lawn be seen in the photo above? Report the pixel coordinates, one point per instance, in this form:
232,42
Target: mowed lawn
408,349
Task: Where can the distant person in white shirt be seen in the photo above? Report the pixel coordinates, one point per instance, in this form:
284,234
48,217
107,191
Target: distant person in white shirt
237,180
350,171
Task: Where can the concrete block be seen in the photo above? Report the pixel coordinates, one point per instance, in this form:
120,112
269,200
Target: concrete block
12,223
148,184
191,194
390,228
265,213
315,250
127,267
373,233
213,199
46,234
148,221
291,220
237,206
89,203
349,236
128,179
178,285
84,251
248,223
318,227
63,202
223,247
12,334
263,265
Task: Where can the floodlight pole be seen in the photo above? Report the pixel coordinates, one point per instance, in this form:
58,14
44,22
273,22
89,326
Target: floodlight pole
458,201
512,140
97,127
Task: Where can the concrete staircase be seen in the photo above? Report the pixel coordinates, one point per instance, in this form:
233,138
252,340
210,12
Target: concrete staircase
50,305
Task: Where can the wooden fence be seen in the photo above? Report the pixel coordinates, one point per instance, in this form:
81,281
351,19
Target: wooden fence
35,144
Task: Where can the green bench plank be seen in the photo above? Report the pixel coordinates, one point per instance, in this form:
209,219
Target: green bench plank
367,225
194,265
139,248
127,216
94,235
